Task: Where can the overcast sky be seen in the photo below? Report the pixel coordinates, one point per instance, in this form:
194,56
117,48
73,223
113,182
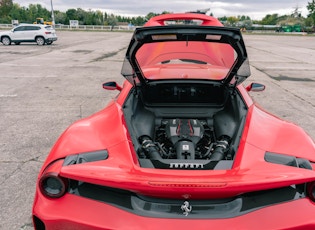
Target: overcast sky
256,9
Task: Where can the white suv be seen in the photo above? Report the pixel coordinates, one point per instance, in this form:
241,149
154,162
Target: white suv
41,34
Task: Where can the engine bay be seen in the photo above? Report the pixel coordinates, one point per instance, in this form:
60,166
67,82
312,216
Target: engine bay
185,136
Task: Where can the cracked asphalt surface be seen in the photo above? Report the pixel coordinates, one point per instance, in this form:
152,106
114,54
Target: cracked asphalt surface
44,89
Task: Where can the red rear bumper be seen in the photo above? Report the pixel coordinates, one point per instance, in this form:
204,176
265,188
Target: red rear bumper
74,212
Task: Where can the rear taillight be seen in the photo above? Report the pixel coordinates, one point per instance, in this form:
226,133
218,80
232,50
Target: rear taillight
52,185
47,32
311,190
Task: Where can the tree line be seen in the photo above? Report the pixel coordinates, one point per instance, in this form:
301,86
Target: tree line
13,11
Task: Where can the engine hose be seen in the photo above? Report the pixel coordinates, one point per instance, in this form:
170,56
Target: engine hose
220,149
150,148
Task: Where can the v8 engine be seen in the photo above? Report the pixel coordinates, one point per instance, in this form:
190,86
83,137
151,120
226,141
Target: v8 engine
185,139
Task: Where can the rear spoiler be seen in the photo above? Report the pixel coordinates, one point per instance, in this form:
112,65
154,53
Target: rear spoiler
205,19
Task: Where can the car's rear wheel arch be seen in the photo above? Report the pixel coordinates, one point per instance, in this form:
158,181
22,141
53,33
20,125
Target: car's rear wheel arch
6,40
40,40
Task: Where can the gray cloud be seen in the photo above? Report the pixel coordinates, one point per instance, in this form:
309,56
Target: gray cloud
254,8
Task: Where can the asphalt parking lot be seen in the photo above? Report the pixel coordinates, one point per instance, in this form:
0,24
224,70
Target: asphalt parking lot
43,89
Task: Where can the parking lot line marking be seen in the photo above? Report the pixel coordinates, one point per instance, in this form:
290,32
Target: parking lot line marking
8,95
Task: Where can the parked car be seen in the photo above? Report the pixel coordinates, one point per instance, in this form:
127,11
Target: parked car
41,34
182,146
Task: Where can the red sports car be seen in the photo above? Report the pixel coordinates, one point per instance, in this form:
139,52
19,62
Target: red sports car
182,146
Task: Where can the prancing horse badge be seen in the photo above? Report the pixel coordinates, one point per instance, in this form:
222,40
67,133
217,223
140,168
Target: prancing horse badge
186,208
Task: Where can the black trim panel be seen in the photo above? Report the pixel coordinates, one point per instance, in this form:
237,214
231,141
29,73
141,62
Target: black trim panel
199,209
81,158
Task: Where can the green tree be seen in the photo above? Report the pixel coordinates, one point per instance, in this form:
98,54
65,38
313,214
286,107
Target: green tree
151,15
99,17
309,22
60,17
232,20
16,11
5,8
270,19
72,14
138,21
243,18
82,16
223,19
111,20
311,8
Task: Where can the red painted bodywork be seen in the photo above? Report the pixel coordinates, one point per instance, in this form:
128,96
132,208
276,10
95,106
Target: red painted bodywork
250,172
263,132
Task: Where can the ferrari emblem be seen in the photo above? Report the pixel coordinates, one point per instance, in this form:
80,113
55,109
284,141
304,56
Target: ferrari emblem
186,208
